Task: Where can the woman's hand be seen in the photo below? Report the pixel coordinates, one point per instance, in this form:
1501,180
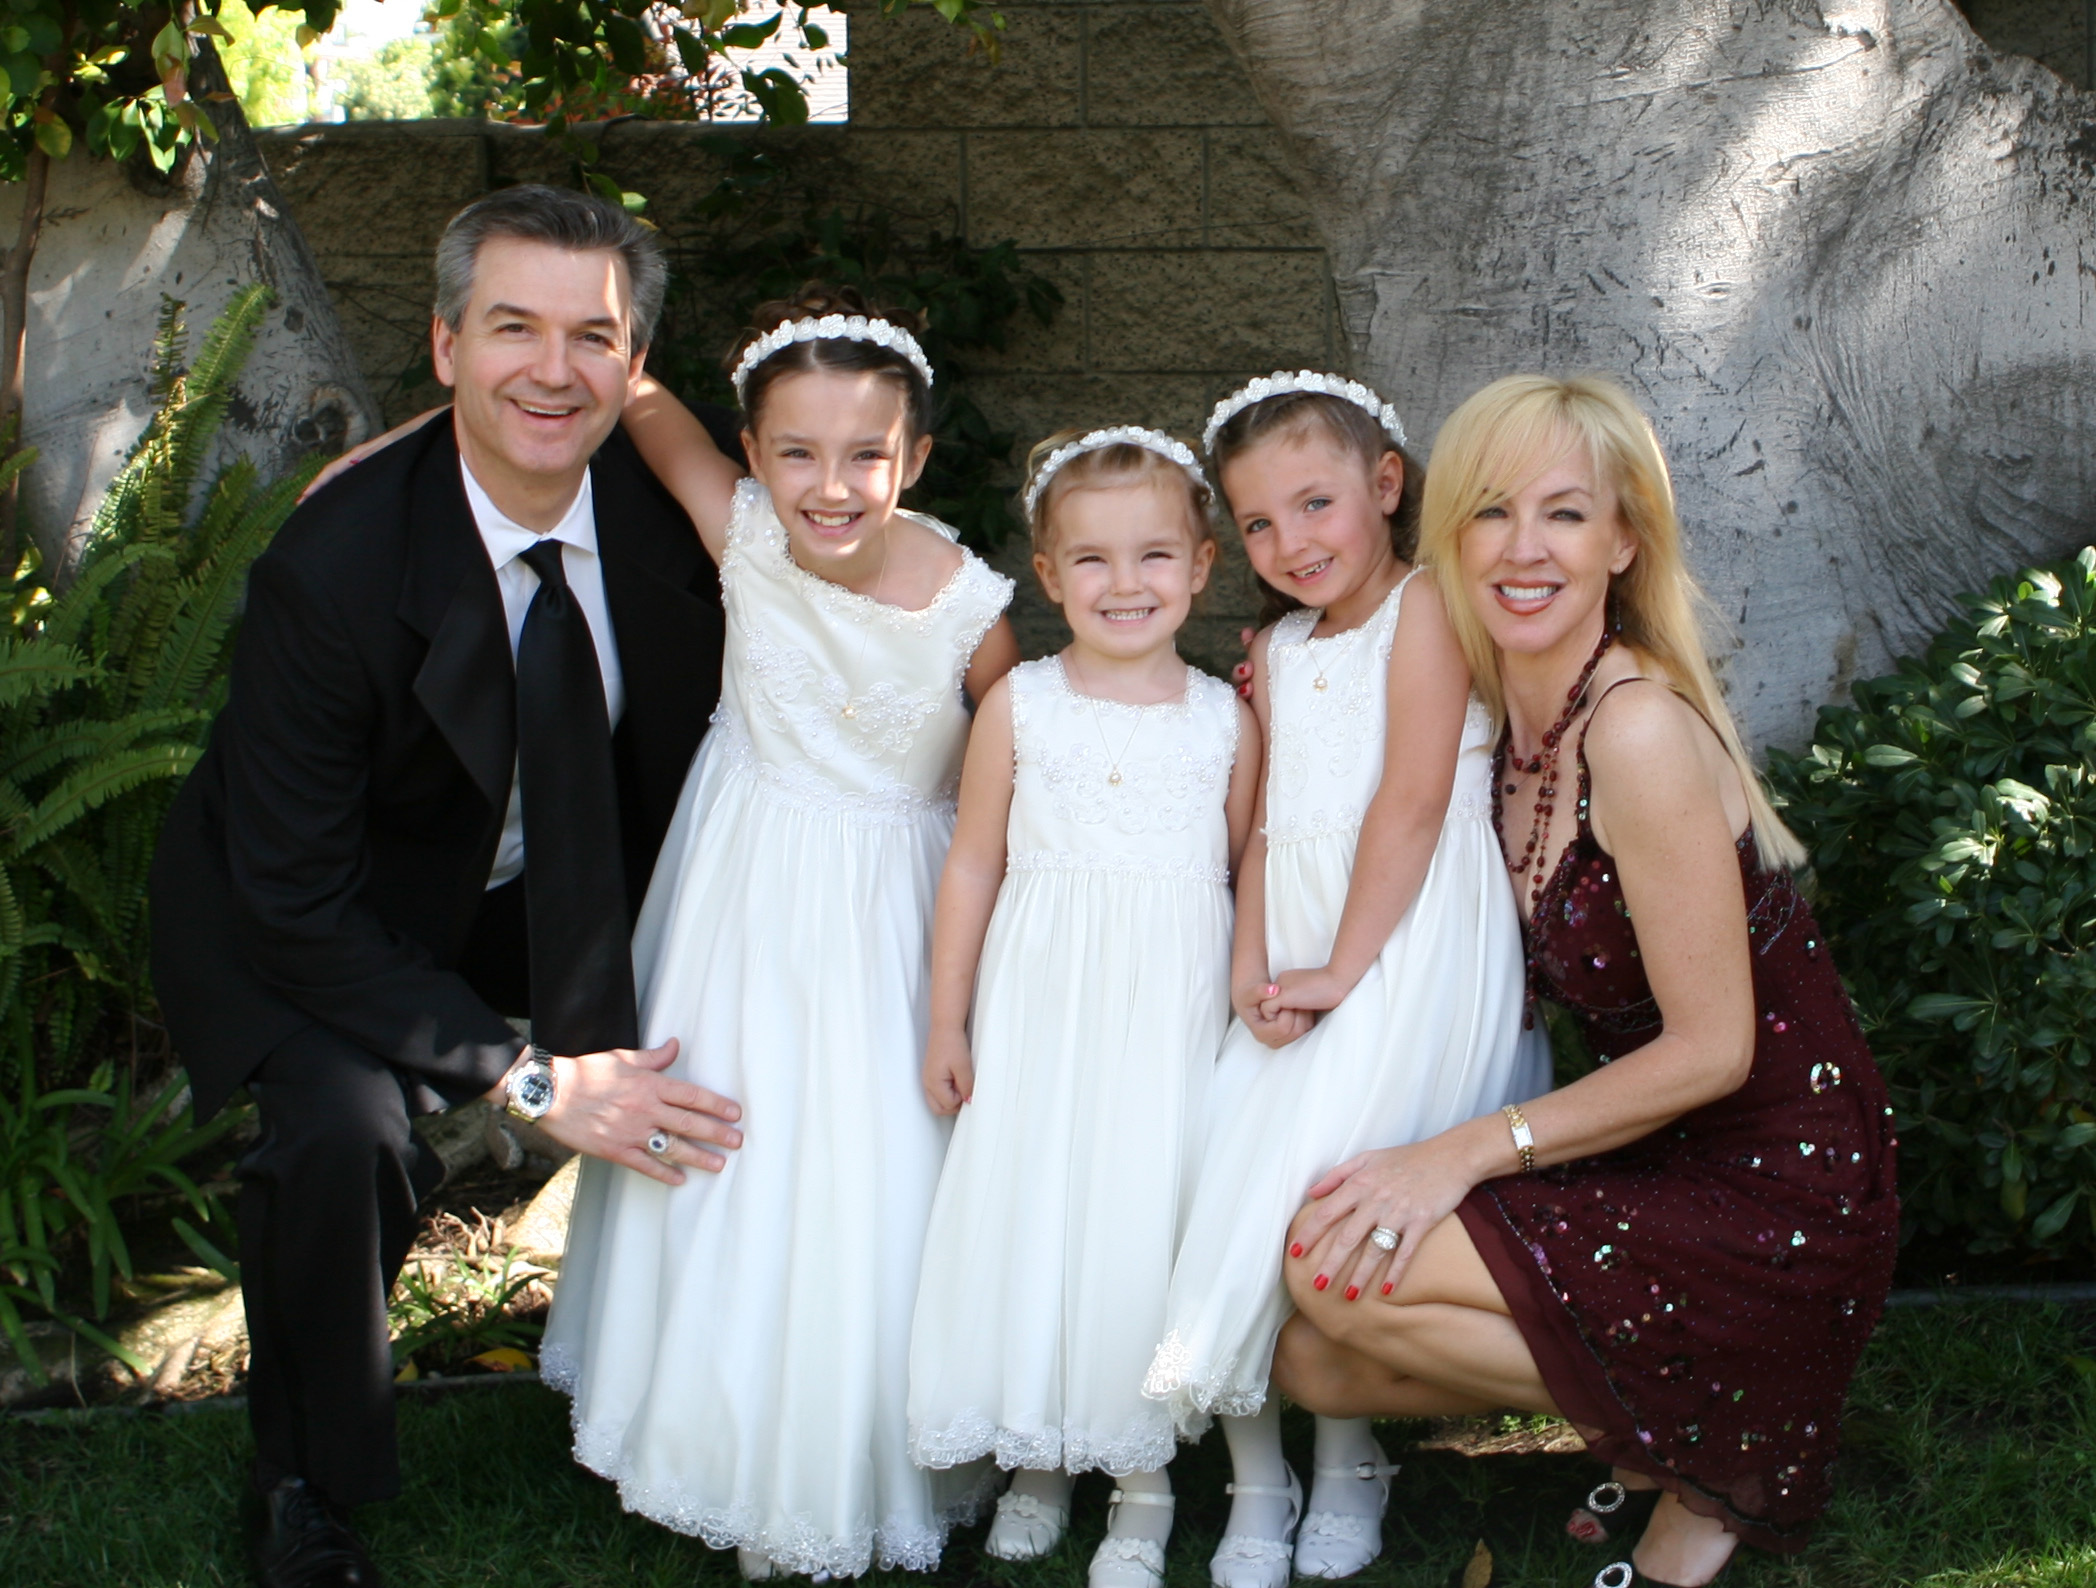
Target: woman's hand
1406,1189
1249,997
357,454
1310,991
949,1071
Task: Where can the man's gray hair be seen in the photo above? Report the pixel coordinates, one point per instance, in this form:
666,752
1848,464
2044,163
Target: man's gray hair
567,219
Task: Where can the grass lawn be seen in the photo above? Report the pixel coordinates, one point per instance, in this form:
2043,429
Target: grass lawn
1971,1461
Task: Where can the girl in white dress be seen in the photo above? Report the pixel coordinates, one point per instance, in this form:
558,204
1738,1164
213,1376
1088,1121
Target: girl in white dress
737,1345
1377,946
1085,912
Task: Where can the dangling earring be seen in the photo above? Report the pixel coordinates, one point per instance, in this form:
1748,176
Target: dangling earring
1614,608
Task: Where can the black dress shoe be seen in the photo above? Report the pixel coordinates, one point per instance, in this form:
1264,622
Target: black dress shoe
298,1539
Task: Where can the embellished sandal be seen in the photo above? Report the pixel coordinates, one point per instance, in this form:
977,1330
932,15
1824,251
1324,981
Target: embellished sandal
1246,1560
1340,1543
1025,1528
1612,1511
1128,1562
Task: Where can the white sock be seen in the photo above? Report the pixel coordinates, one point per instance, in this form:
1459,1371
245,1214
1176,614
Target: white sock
1346,1442
1255,1458
1153,1522
1051,1485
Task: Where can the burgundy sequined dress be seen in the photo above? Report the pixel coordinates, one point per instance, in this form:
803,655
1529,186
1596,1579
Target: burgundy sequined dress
1696,1301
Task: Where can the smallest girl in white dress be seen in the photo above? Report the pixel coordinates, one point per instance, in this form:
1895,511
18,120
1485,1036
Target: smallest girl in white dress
1085,910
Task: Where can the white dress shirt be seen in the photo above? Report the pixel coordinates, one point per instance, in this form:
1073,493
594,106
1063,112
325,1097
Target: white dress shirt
507,541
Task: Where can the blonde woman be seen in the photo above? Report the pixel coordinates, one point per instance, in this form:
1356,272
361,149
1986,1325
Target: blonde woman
1684,1251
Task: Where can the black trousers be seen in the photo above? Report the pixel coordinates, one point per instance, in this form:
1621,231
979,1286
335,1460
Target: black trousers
327,1204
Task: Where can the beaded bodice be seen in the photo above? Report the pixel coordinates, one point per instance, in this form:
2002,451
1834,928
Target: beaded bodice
1328,700
836,700
1102,786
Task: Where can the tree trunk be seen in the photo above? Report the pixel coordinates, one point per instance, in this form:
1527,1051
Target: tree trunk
113,243
1839,252
14,305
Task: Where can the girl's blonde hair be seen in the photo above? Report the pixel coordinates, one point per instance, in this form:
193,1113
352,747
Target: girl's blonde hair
1120,464
1505,435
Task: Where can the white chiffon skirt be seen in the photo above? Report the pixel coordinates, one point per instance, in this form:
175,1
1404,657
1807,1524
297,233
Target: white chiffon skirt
1100,1002
737,1347
1430,1037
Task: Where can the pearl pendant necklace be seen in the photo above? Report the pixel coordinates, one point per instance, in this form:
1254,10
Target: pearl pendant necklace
1113,762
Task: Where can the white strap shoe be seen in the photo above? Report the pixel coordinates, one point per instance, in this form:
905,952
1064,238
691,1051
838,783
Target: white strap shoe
1246,1560
1340,1543
1128,1562
755,1565
1025,1528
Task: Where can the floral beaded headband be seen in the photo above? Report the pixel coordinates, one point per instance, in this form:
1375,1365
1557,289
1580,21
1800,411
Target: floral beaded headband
1118,436
1280,383
829,328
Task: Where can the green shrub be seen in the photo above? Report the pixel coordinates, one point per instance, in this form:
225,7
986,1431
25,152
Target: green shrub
1951,815
107,690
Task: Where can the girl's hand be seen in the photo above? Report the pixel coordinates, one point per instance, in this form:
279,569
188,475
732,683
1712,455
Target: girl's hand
949,1072
357,454
1277,1030
1310,991
1407,1189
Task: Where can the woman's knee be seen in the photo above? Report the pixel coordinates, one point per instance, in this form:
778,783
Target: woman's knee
1308,1370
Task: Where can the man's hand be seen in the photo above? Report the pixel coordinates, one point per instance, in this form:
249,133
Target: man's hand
609,1104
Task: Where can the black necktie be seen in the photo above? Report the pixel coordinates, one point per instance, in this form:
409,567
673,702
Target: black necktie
574,876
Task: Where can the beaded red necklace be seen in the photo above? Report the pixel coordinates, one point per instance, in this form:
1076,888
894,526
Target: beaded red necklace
1545,762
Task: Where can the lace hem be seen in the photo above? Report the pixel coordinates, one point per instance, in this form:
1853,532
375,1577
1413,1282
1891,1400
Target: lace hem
799,1546
972,1435
1193,1394
798,786
1152,868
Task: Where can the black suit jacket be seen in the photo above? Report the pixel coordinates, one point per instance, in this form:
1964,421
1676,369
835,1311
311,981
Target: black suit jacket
326,859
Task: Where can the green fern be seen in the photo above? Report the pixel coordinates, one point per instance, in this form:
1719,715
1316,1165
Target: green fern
107,691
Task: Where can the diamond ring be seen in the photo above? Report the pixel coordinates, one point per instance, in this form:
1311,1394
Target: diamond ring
659,1145
1383,1236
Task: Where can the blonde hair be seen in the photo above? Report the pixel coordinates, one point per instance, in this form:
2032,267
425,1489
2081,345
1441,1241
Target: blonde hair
1499,439
1123,463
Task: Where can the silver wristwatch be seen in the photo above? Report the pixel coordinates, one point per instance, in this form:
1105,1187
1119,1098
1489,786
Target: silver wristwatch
530,1086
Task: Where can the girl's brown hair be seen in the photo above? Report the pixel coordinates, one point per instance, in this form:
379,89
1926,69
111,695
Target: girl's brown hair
1292,415
812,302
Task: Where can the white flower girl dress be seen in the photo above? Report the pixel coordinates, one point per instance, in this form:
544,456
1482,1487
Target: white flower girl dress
737,1346
1102,994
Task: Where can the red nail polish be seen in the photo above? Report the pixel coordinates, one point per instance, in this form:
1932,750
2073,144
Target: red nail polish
1353,1292
1387,1288
1322,1281
1296,1250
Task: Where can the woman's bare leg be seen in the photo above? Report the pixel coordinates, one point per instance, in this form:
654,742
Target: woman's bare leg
1445,1330
1445,1345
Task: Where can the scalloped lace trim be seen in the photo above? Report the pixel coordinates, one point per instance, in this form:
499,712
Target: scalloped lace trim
1194,1396
973,1435
798,1547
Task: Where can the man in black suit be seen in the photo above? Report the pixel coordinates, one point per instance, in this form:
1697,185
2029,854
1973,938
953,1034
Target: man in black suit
471,676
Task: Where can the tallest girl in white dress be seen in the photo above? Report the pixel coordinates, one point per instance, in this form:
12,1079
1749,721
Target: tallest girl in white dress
737,1346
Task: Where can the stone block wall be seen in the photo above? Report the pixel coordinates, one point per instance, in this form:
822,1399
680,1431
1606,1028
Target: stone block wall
1117,142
